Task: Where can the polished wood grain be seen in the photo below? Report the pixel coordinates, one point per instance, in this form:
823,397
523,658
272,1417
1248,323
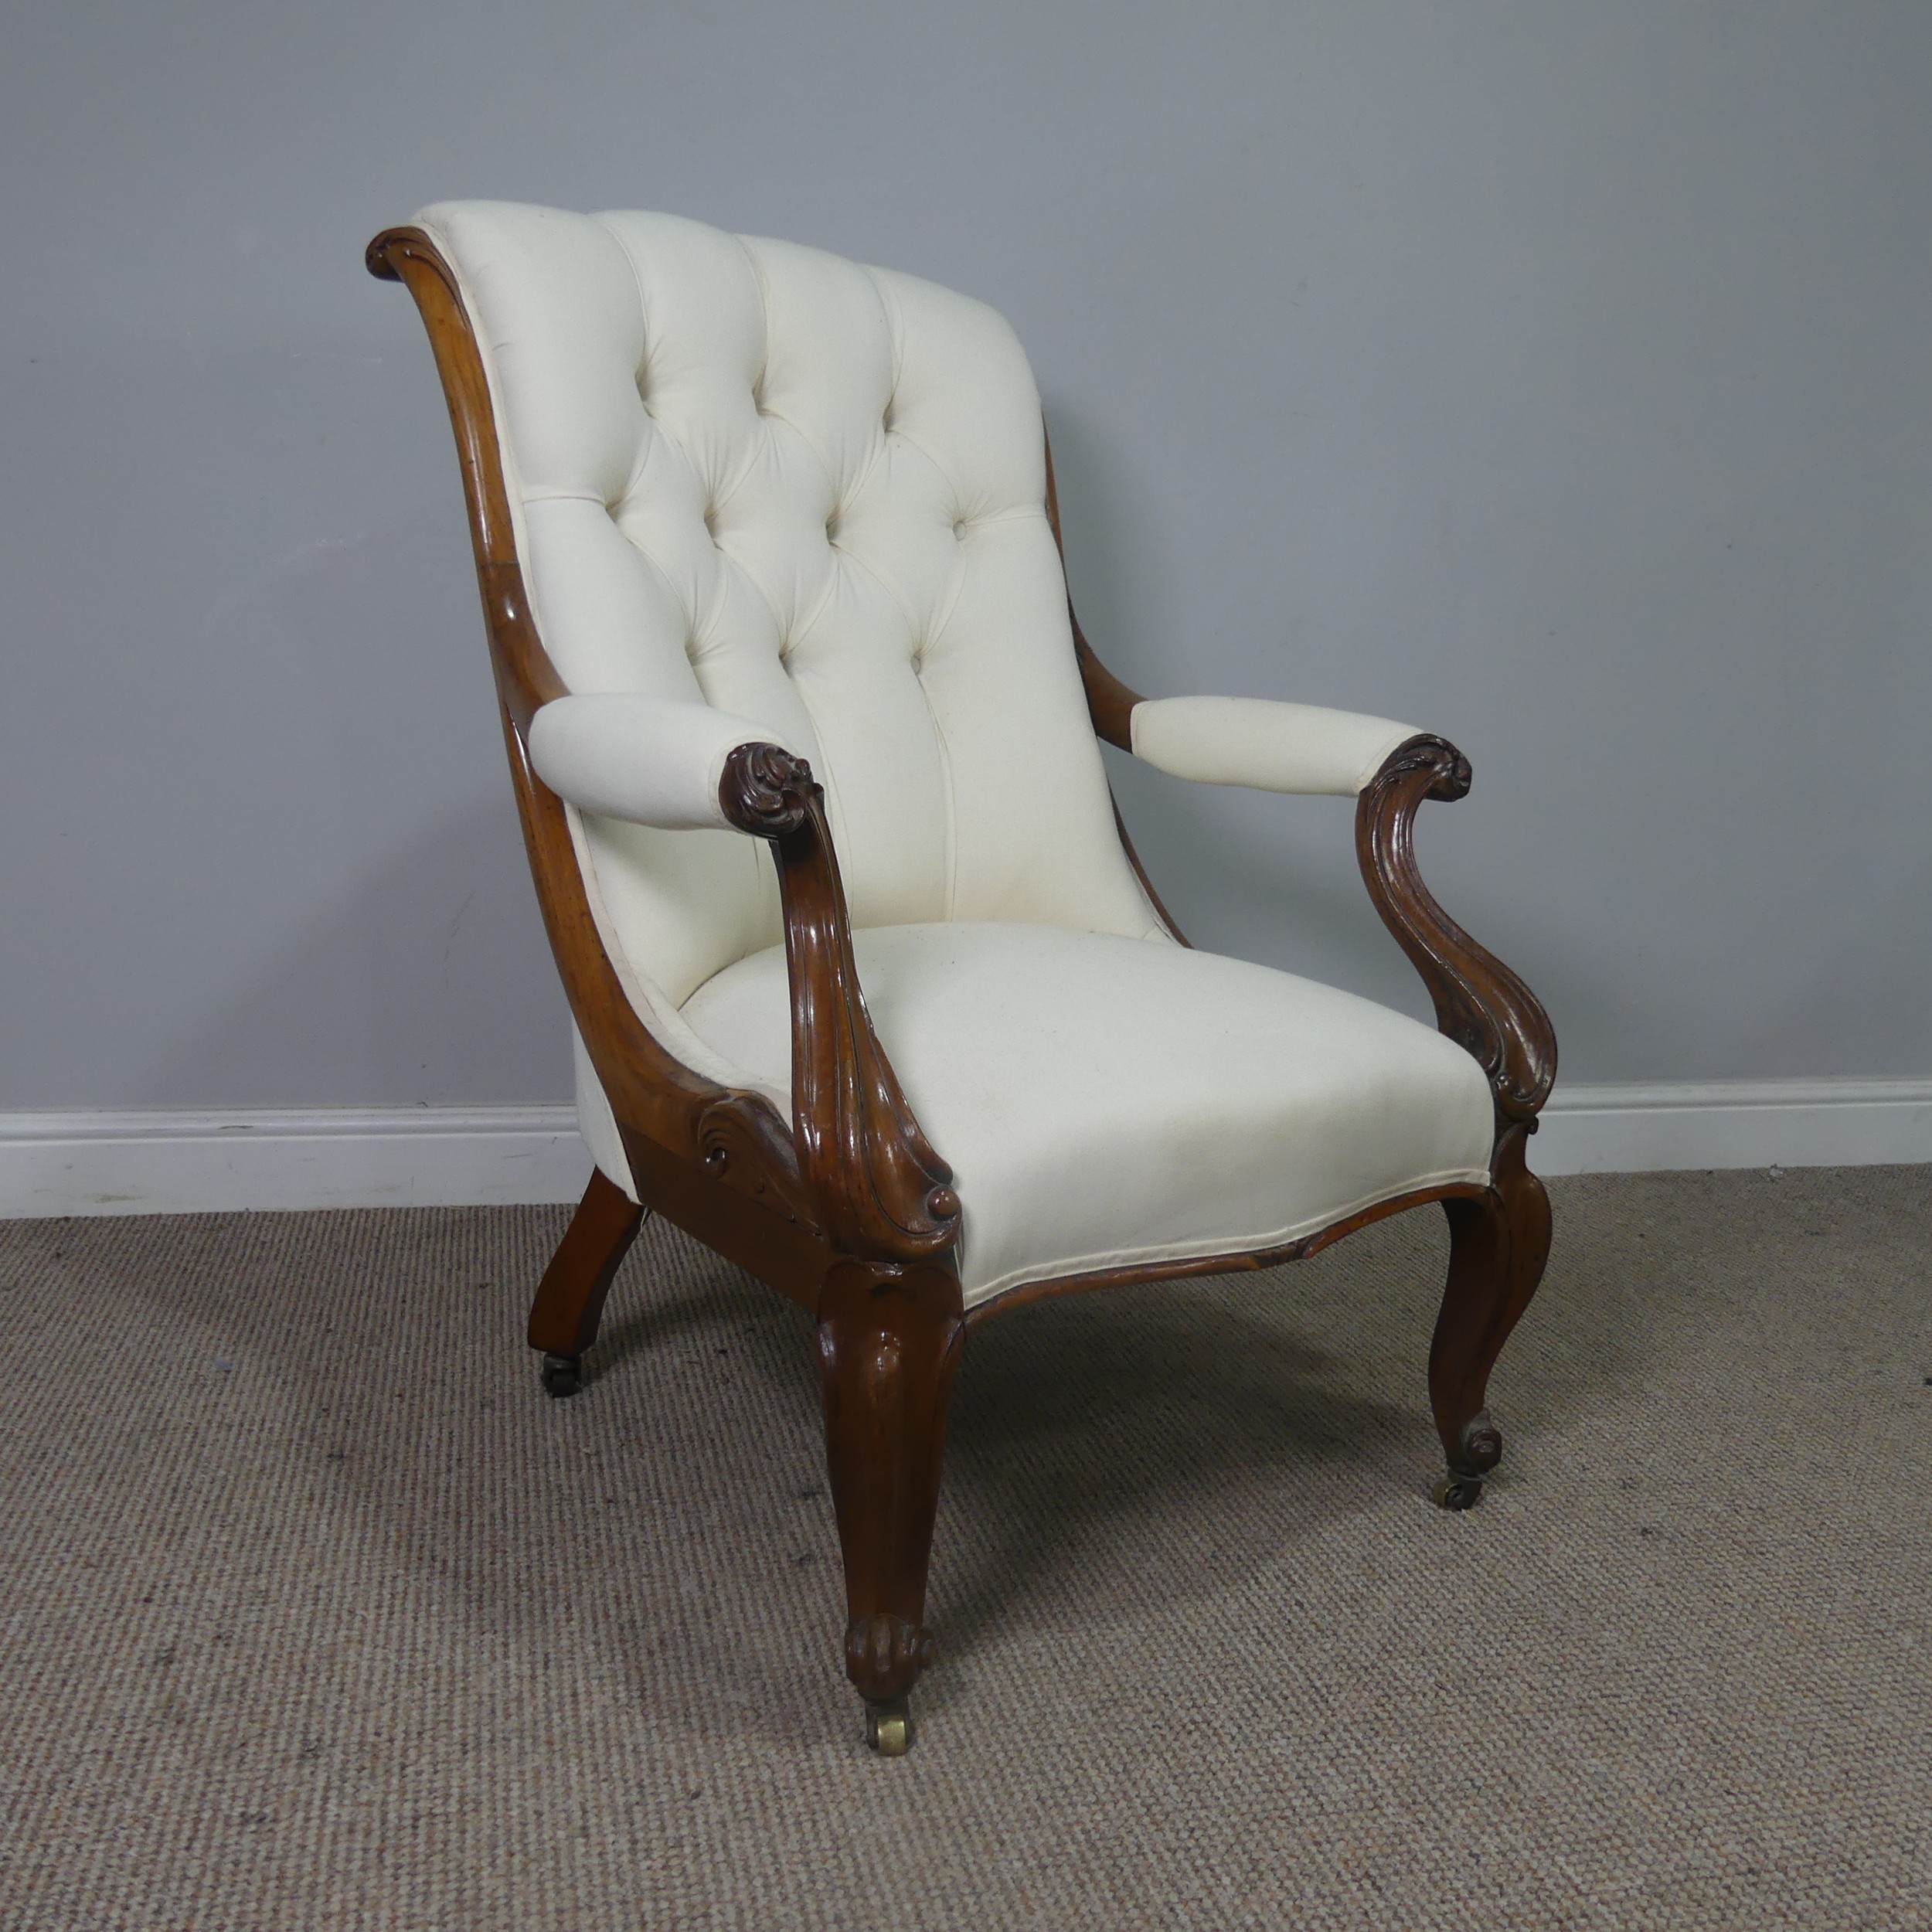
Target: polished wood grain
1497,1242
1500,1242
1480,1003
890,1342
890,1321
570,1299
525,675
880,1190
1498,1245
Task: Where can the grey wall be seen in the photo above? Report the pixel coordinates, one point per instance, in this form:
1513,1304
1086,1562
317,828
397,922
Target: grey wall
1551,375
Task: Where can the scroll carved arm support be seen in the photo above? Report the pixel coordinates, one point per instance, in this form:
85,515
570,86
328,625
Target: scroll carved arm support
881,1191
1480,1003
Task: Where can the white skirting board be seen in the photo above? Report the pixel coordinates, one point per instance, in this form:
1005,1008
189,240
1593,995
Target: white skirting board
1633,1129
165,1162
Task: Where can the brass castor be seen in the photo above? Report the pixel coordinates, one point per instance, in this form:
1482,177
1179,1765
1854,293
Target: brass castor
1455,1490
562,1375
889,1727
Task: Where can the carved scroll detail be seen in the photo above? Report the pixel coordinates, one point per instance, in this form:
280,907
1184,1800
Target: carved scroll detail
1480,1003
766,791
744,1145
886,1651
877,1187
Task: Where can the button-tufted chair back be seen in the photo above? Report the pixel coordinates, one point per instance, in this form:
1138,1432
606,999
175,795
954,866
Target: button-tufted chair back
812,494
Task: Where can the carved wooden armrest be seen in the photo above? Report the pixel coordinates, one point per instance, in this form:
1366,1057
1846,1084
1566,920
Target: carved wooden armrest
1480,1003
880,1189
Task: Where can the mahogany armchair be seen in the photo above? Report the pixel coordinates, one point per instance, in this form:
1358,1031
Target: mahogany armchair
795,706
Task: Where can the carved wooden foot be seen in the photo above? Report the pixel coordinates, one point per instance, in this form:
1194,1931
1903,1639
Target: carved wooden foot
1498,1246
890,1339
570,1298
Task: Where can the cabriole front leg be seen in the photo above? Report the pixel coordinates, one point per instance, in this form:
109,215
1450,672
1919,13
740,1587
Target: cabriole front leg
889,1339
1499,1244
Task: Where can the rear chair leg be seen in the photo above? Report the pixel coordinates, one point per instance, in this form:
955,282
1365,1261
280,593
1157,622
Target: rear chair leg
1498,1246
570,1298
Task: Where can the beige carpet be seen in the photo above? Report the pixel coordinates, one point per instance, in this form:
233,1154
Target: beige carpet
317,1613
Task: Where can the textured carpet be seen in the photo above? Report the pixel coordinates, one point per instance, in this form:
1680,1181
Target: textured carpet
317,1613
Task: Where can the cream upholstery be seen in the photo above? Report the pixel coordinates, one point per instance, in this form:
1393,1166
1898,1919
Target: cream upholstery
761,493
755,476
1274,747
645,760
1104,1102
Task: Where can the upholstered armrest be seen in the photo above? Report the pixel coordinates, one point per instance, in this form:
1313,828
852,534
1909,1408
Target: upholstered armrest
650,760
1254,741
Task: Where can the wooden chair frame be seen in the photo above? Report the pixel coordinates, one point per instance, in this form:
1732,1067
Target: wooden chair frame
847,1208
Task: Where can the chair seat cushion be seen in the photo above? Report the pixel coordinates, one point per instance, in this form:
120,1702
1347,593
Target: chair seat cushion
1105,1101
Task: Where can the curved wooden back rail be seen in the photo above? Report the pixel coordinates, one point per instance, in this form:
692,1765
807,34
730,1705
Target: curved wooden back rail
718,1161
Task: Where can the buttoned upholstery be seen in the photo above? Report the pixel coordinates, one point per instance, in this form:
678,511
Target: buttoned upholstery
759,491
758,476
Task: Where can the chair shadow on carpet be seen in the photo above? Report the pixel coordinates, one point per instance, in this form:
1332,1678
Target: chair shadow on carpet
1138,1449
1147,1461
1111,1455
1093,1463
